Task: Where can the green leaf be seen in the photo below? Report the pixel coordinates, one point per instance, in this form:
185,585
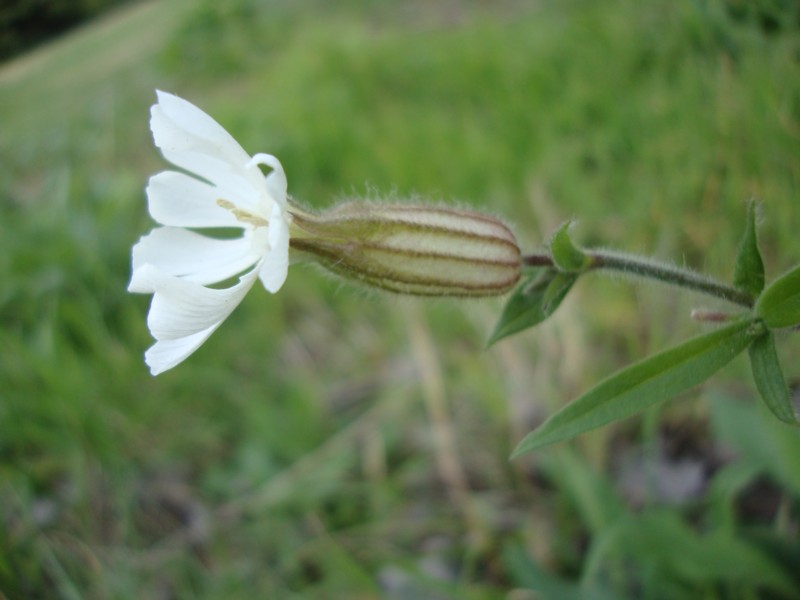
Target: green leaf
587,489
532,302
779,305
748,273
526,573
660,539
566,255
769,378
759,439
644,384
557,290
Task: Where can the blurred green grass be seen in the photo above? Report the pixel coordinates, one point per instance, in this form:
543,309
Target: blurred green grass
311,448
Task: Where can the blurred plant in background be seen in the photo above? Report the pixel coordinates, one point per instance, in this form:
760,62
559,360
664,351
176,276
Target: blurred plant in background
329,443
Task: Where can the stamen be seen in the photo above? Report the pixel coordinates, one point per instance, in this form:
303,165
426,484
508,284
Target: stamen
242,215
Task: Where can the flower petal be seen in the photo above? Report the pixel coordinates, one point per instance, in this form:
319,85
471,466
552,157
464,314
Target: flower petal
165,354
275,267
183,201
192,140
186,127
184,150
182,308
193,257
276,179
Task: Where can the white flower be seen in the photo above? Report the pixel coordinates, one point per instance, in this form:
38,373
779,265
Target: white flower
176,264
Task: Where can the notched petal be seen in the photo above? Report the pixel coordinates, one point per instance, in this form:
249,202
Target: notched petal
182,308
165,354
192,256
183,201
180,123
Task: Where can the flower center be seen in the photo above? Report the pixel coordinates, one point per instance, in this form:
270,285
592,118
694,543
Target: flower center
243,215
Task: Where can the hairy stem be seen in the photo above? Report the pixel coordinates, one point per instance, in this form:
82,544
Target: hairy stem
650,269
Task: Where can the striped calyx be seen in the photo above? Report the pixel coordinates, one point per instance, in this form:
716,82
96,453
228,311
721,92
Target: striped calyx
411,249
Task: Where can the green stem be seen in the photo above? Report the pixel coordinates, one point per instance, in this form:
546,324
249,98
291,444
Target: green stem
650,269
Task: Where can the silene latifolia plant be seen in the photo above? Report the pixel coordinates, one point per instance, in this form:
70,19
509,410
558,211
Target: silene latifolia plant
424,251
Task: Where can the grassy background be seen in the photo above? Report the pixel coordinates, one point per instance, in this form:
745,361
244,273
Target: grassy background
328,442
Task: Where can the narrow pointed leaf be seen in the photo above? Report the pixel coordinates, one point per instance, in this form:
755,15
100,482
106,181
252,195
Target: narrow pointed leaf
769,379
557,290
532,302
779,305
748,274
644,384
567,256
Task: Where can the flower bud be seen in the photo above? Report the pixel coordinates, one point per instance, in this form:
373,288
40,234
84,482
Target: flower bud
410,249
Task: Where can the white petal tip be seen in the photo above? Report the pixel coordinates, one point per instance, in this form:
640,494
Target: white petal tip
164,355
143,279
157,369
166,96
265,159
